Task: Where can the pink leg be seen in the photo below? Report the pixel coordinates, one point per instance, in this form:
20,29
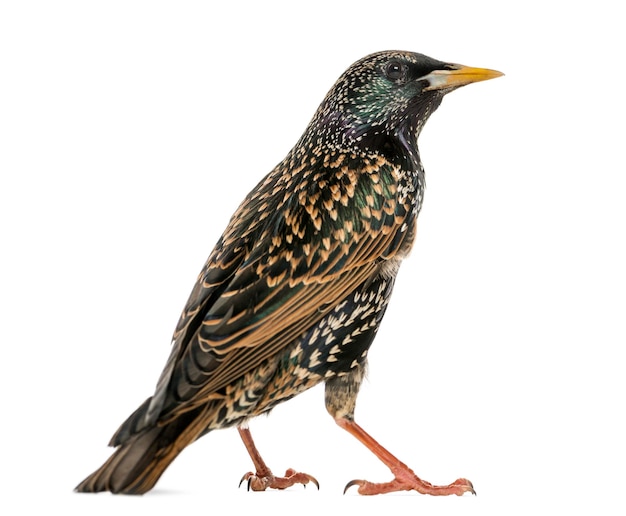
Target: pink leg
405,479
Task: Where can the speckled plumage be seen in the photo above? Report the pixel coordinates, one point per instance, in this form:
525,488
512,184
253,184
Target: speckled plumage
295,289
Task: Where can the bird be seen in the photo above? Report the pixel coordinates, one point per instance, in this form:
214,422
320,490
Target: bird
294,291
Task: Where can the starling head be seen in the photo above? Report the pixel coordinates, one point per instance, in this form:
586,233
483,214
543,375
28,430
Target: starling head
389,93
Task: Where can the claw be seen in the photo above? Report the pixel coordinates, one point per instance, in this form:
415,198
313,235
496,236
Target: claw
248,477
465,483
352,483
312,480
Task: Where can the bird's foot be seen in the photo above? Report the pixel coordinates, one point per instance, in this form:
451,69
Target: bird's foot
408,481
264,478
404,478
262,481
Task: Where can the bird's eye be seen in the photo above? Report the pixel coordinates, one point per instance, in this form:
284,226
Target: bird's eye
394,70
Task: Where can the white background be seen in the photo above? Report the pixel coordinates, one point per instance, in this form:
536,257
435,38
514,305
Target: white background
130,131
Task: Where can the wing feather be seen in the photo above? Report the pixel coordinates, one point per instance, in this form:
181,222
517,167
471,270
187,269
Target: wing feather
300,243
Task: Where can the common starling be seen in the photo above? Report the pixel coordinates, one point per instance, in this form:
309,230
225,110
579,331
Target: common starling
295,289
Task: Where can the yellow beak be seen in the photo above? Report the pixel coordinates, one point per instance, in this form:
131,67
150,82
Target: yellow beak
458,76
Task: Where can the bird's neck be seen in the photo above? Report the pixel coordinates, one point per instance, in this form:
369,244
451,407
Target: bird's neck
399,148
331,133
411,164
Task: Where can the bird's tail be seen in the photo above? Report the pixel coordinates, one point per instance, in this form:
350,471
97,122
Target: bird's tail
141,457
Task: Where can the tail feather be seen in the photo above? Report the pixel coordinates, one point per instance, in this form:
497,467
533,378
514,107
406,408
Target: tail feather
134,424
141,459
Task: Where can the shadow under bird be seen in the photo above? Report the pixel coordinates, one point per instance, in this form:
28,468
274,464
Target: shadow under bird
295,289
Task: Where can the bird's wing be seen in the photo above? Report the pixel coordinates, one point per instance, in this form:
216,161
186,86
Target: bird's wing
295,248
